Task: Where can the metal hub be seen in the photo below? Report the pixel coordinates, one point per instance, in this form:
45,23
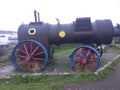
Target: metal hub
84,61
28,57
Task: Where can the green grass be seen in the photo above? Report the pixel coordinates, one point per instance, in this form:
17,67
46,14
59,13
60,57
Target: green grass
65,49
115,48
44,82
31,86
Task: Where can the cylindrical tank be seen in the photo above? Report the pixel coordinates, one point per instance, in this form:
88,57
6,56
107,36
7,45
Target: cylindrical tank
76,32
103,31
82,31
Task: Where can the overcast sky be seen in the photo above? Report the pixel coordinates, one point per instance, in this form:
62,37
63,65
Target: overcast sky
14,12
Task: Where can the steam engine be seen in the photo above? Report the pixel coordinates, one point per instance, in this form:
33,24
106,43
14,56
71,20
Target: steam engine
36,40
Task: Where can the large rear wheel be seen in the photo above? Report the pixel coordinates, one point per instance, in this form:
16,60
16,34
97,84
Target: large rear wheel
29,56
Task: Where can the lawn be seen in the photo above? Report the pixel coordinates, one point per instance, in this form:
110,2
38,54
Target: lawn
65,49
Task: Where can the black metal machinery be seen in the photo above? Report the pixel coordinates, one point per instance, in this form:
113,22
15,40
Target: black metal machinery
36,40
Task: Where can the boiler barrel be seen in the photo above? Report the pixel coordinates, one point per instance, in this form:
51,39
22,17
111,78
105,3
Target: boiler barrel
82,31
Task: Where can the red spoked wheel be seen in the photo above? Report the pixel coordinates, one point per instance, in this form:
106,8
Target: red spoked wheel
85,58
29,56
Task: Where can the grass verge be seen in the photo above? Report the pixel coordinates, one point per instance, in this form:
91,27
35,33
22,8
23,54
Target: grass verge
115,48
65,49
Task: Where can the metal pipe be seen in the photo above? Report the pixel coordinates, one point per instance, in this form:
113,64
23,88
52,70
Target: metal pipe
35,15
38,17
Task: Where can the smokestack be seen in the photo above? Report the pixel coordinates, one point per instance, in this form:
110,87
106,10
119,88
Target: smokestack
35,15
38,17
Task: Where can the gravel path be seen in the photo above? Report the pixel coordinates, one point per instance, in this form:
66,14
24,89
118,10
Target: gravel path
109,55
7,71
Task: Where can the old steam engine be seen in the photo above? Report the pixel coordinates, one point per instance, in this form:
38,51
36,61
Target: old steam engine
36,40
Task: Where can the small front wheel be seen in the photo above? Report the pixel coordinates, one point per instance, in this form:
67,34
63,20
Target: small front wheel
85,57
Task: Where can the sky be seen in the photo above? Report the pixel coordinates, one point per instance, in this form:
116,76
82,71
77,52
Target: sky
15,12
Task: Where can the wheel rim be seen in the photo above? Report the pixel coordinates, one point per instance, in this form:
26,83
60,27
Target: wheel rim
85,58
29,56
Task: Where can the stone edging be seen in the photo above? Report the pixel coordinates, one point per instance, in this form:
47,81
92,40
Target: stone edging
106,65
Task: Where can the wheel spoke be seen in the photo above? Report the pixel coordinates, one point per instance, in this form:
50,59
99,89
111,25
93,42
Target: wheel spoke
31,46
25,48
32,64
79,53
35,50
42,52
84,51
20,56
24,64
21,50
88,53
90,67
93,63
93,58
77,64
81,67
41,59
